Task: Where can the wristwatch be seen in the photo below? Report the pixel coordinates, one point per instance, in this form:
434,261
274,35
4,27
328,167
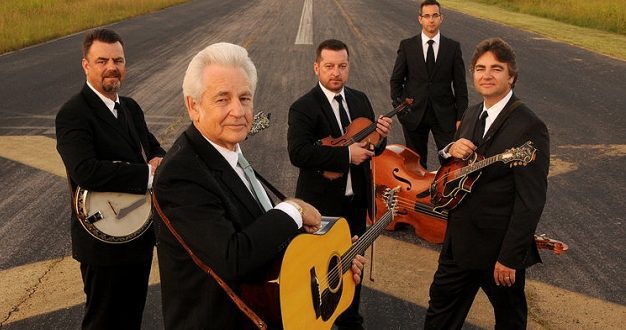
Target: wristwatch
298,207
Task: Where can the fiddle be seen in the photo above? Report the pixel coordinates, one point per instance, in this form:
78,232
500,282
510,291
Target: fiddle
400,166
360,129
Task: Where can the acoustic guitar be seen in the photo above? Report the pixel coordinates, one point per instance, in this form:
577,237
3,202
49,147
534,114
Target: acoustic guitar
455,178
115,217
307,288
315,282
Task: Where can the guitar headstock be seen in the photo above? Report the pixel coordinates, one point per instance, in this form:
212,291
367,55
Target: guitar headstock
390,198
520,156
260,122
544,242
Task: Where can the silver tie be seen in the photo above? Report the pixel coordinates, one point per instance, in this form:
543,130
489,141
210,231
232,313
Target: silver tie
257,189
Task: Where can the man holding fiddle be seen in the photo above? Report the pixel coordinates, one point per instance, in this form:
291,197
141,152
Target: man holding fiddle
327,110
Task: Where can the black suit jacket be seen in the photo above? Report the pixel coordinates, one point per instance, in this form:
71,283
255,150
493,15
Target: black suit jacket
101,155
211,208
497,220
311,119
410,79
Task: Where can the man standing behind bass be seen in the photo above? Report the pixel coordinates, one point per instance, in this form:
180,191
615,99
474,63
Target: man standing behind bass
327,110
429,69
489,241
106,146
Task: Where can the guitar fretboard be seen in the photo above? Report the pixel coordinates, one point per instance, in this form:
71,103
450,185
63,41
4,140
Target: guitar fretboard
366,240
480,164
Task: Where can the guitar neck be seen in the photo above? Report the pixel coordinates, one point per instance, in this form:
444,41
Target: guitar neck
365,240
476,166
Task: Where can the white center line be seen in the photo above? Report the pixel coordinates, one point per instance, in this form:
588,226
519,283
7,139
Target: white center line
305,31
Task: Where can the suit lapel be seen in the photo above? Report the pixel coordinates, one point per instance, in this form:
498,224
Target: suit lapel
442,54
495,126
420,54
101,111
227,175
327,110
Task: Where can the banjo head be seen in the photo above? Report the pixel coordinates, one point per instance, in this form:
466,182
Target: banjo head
113,217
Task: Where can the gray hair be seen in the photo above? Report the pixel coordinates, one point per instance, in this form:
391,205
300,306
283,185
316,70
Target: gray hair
221,53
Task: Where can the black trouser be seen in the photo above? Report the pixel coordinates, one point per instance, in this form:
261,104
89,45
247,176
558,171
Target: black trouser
417,140
116,295
453,291
355,212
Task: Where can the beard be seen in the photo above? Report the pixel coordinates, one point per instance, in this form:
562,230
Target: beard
112,87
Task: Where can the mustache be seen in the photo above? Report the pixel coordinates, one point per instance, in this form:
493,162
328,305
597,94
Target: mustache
112,74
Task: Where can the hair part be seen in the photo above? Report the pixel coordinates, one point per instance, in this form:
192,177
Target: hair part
502,51
429,3
224,54
103,35
331,44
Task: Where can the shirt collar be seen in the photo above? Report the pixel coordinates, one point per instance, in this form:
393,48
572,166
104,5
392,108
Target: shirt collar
107,101
425,39
232,157
495,109
330,95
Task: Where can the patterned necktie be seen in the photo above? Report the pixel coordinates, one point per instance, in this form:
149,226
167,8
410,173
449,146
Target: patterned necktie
343,114
430,57
479,129
257,189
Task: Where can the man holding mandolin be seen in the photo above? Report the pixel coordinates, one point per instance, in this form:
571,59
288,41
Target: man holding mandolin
489,241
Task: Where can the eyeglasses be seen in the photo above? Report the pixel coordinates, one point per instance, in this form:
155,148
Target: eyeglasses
433,16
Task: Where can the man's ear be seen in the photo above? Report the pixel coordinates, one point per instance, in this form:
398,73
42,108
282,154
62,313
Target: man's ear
192,108
316,68
85,65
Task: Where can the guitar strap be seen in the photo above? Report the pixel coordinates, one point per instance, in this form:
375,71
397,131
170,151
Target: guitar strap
233,296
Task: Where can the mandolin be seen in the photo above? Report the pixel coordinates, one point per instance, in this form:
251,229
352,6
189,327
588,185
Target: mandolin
455,179
361,129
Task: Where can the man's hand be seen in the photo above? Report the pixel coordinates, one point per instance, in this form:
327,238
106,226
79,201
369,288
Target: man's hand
503,275
462,148
311,217
154,163
383,126
359,152
357,264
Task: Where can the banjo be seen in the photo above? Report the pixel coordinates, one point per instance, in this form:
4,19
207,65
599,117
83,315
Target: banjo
116,217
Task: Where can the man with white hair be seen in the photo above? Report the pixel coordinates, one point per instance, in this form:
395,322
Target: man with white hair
220,212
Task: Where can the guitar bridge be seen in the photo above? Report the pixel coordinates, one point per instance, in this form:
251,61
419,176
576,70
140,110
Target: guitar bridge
315,293
94,217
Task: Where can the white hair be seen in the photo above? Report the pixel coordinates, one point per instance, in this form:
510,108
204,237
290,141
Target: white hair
221,53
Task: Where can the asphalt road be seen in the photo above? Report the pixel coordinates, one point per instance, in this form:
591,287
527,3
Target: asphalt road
579,94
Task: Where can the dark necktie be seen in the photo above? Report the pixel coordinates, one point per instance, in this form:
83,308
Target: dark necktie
120,113
343,114
479,129
430,57
257,189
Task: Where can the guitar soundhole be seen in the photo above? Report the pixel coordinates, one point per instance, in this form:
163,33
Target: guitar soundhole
334,273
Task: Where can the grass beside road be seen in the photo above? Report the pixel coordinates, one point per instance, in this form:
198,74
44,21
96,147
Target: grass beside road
611,44
605,15
28,22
